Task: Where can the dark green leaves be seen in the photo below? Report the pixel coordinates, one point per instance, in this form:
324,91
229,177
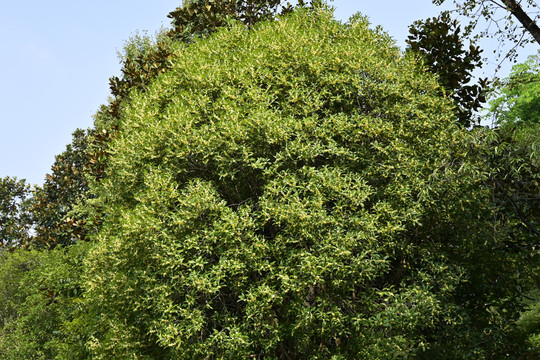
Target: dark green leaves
439,42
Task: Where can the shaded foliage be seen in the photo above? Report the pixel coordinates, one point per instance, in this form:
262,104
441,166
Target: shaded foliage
515,164
513,158
439,41
515,150
199,18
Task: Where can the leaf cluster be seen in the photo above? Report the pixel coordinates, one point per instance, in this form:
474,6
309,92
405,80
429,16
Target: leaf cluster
440,44
516,99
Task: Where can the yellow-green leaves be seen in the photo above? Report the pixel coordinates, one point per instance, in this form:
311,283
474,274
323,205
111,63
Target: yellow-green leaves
283,193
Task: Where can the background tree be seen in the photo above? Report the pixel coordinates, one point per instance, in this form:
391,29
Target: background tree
516,99
439,41
62,189
15,219
515,108
39,291
198,18
513,160
504,26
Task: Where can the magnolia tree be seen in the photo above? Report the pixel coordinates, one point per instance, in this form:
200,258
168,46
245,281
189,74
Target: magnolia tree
297,190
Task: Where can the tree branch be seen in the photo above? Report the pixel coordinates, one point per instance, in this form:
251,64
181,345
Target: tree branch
528,23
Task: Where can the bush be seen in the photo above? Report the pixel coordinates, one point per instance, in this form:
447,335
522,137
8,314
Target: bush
298,190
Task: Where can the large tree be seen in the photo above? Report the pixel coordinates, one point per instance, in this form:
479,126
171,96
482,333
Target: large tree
300,190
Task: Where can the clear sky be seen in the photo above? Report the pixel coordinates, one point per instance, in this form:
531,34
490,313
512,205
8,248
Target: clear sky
58,55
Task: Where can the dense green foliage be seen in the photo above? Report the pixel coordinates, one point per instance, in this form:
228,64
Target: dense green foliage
516,99
514,150
514,160
529,323
298,190
86,157
15,219
292,189
439,42
40,291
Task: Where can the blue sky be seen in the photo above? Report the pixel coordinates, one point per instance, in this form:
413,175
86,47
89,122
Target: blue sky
57,57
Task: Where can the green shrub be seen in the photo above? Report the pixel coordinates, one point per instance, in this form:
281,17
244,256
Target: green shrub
295,191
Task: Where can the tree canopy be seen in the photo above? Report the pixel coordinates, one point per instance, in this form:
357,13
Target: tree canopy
516,99
294,191
14,215
281,186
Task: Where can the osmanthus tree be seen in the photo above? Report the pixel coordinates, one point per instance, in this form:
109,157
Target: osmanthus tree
143,60
298,190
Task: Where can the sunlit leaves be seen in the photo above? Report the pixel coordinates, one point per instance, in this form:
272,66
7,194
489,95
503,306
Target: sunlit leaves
516,99
295,190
